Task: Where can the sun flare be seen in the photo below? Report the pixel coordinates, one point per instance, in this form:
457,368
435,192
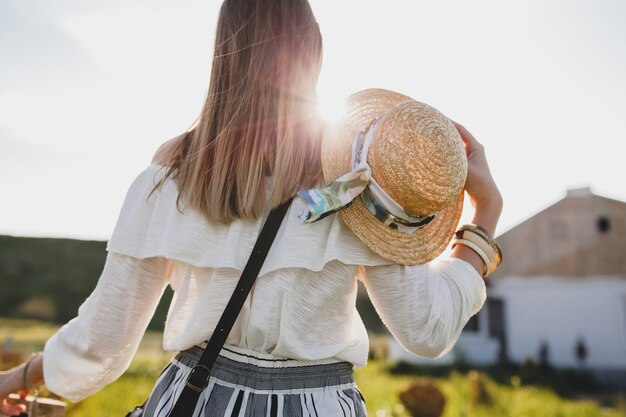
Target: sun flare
331,106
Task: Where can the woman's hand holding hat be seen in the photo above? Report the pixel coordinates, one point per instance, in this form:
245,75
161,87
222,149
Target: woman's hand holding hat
479,185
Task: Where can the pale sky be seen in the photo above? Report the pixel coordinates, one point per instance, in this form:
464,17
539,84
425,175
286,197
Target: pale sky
90,89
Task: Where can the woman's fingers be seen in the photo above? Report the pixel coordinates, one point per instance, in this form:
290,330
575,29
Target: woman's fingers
471,144
479,184
11,409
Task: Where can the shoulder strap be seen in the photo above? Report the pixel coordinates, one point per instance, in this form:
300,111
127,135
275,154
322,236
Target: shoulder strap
198,378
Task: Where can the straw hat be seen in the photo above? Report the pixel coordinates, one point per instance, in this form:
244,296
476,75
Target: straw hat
412,176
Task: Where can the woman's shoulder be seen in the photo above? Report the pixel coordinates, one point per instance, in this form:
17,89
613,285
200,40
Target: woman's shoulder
166,151
155,225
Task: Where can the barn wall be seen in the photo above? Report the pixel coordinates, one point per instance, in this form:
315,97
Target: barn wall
575,237
559,311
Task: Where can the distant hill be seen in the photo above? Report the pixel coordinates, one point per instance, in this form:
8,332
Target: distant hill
49,278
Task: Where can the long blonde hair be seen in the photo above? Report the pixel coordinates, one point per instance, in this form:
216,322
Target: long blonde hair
259,120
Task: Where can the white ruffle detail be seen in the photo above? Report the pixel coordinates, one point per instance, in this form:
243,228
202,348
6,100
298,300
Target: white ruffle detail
156,228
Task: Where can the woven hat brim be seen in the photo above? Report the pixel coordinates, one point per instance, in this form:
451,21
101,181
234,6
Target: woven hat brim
417,248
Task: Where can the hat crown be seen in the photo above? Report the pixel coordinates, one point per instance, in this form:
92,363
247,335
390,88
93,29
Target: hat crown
417,156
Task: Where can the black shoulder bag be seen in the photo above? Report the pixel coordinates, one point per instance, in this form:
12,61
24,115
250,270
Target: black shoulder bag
198,378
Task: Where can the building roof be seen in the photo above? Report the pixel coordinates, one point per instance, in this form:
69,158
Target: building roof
581,235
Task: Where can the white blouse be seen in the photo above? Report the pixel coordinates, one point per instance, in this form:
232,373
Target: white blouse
302,305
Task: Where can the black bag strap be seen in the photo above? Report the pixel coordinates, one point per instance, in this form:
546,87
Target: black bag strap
198,378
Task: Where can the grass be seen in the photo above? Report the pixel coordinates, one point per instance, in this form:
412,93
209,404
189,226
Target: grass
381,389
26,334
379,382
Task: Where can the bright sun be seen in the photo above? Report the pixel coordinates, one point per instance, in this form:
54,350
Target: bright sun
331,106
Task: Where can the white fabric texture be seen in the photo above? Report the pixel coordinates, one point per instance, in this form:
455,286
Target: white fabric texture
302,305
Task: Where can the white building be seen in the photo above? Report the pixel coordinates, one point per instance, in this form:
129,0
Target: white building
558,296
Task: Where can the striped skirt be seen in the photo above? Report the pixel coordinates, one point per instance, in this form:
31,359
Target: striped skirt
245,383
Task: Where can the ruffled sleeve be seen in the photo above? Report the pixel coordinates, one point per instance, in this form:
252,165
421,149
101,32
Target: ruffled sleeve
426,306
96,347
154,226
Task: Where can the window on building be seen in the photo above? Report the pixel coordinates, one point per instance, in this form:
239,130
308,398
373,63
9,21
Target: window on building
495,308
603,224
624,318
496,325
472,324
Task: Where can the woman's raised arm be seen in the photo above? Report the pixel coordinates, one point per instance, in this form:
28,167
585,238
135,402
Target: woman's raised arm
483,194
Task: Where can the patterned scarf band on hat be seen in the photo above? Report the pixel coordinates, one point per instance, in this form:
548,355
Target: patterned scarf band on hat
384,216
323,201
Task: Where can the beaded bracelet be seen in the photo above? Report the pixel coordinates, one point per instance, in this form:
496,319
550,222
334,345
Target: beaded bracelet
484,245
485,235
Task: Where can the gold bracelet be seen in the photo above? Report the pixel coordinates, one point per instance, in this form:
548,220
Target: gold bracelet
476,249
484,245
485,235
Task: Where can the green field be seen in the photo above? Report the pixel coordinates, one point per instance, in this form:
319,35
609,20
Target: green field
377,381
